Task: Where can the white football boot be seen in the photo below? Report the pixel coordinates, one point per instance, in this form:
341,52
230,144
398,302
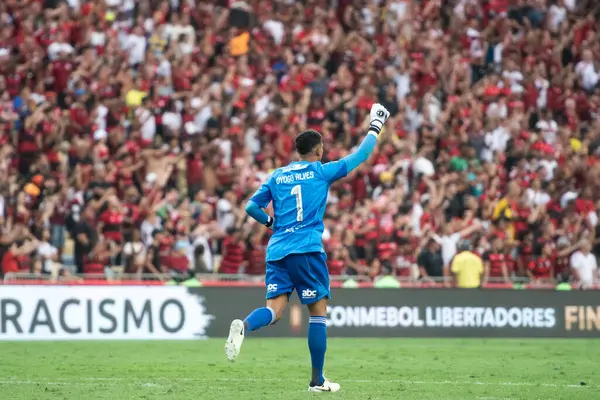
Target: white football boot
325,387
235,340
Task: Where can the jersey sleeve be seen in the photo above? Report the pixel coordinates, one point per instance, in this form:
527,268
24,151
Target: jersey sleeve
335,170
339,169
263,195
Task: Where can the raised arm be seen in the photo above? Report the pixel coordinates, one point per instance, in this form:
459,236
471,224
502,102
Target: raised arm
339,169
465,232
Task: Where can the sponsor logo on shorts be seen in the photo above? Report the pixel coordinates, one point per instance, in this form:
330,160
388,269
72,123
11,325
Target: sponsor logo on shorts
272,287
309,294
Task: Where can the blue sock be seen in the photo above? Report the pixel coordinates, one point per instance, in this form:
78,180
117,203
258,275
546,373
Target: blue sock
317,344
258,318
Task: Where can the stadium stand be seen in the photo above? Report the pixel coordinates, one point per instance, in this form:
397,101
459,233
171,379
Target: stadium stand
132,132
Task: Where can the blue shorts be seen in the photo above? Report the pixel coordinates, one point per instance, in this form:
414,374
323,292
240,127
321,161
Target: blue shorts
307,273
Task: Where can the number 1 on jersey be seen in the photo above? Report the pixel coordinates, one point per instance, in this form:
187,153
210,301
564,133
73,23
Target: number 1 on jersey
297,191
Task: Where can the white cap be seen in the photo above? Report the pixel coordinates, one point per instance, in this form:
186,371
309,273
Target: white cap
100,134
224,205
190,128
423,166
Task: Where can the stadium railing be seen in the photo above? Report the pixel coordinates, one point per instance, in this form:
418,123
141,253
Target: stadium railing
214,279
241,280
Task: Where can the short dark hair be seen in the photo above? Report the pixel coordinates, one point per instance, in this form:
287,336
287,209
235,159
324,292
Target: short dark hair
307,141
464,245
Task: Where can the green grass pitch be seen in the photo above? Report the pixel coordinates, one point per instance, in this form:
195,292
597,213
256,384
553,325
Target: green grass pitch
367,369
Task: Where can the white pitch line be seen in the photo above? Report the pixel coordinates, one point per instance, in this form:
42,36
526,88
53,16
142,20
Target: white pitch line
44,382
151,385
146,383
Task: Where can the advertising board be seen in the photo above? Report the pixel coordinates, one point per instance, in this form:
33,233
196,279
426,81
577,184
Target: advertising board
175,312
101,312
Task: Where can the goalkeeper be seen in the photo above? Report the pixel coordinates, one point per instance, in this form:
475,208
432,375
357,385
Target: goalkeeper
295,256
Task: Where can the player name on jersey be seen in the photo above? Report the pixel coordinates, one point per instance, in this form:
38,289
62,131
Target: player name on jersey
291,178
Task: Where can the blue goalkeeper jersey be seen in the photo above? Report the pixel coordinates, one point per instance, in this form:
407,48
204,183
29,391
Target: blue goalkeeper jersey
299,195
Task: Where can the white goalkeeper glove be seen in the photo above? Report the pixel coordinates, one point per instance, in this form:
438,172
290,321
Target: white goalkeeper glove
379,115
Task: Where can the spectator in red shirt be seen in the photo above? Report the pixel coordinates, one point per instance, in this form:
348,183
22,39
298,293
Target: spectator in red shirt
541,268
406,261
178,261
336,262
525,253
387,249
110,222
16,258
562,257
233,252
495,262
256,251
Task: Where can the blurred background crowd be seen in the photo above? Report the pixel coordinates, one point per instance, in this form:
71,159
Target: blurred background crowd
132,132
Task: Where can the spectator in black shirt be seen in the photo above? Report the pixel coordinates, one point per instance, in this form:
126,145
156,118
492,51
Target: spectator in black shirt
454,202
387,98
152,264
431,264
85,237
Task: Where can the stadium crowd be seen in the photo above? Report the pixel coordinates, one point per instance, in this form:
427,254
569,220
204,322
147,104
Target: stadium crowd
132,132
